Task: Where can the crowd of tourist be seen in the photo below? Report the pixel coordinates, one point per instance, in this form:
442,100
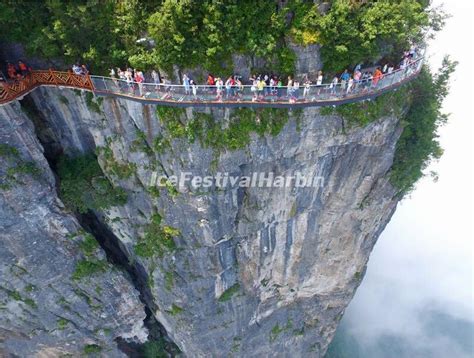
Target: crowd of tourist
263,85
16,72
233,86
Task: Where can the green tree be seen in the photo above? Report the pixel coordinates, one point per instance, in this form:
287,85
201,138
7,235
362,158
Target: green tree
352,32
418,145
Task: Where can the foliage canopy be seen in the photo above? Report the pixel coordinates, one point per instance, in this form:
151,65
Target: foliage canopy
188,33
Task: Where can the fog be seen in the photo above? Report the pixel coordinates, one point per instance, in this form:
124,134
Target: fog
416,299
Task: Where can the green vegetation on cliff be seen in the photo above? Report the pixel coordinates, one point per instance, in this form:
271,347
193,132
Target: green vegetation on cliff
83,185
419,104
213,134
418,144
157,239
15,167
190,33
358,31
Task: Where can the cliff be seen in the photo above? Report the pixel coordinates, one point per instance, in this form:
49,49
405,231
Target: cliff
252,271
47,308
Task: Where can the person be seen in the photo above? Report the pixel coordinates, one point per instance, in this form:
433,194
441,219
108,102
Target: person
272,85
357,78
219,85
84,70
129,79
76,69
121,76
366,79
253,88
319,81
261,87
279,88
228,87
289,87
210,82
404,63
344,78
23,68
296,89
139,78
239,87
376,77
307,84
187,87
11,71
266,78
194,88
112,73
350,84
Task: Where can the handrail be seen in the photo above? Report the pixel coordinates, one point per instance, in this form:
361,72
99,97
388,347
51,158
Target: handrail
189,95
12,90
394,72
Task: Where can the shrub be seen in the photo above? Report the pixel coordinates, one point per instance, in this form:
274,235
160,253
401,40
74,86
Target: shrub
157,239
87,268
229,293
154,349
112,166
418,144
92,348
92,104
62,323
8,151
175,309
89,245
83,185
15,167
362,113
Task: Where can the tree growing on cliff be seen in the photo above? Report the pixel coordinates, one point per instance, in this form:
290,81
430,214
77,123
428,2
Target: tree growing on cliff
418,145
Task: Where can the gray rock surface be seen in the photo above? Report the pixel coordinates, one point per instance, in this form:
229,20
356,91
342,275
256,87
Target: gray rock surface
293,256
308,59
43,311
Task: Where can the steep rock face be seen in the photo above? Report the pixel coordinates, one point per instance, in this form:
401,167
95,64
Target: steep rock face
257,271
308,59
43,311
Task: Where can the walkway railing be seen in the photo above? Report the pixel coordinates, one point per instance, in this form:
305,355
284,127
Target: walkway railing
12,90
179,95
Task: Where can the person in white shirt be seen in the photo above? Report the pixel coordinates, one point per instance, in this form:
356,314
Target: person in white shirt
319,81
307,84
350,84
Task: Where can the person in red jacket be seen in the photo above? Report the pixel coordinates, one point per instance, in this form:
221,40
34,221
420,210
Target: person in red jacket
377,77
23,68
210,82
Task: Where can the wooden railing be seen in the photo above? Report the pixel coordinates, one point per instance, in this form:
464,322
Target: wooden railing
12,90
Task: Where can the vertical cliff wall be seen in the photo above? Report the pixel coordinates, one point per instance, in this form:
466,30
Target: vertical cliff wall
253,271
47,308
